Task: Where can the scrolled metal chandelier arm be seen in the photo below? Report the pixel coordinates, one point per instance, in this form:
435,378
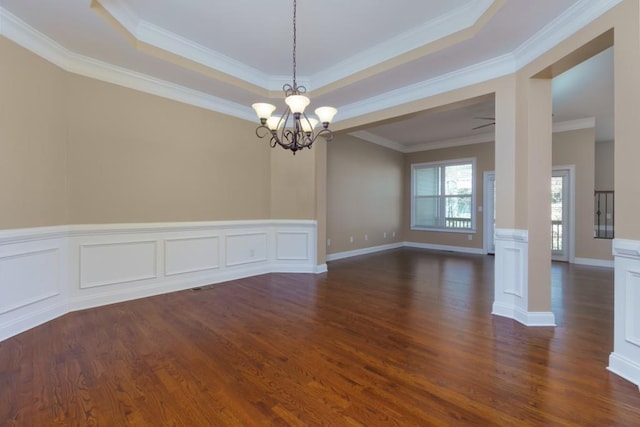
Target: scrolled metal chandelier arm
294,130
296,137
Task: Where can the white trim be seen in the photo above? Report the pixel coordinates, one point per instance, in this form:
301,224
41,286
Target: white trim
625,368
529,319
569,125
586,123
571,214
575,18
625,358
31,39
76,281
594,262
459,249
625,248
364,251
379,140
454,142
509,234
562,27
474,190
488,208
322,268
438,28
468,76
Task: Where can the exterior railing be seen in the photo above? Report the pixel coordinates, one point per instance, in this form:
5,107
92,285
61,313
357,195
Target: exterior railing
451,222
556,236
603,215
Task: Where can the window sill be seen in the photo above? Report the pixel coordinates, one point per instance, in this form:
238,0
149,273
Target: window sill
445,230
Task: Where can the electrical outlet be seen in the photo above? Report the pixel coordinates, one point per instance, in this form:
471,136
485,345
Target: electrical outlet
384,234
366,237
351,239
393,234
469,236
328,242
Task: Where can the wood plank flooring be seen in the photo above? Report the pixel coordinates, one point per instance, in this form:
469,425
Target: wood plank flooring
403,337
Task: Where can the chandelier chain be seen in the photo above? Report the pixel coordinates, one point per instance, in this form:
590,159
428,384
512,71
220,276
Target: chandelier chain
295,85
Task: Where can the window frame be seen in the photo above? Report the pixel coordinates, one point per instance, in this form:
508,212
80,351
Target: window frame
442,164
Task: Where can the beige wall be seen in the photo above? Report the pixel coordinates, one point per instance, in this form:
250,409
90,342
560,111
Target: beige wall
484,155
135,157
578,148
293,183
605,168
33,151
76,150
364,194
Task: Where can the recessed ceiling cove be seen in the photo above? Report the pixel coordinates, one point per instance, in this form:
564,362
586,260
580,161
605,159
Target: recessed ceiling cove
247,43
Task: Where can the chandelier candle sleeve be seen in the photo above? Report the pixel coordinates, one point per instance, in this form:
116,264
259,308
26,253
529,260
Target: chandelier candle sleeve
294,130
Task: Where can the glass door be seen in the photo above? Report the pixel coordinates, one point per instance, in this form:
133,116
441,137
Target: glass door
560,215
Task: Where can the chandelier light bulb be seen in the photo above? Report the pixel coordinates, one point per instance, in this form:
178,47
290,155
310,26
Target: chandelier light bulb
325,114
297,103
308,124
263,110
274,123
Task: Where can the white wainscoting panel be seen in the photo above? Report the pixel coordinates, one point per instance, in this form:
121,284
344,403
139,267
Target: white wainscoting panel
191,254
292,245
246,248
117,262
511,257
46,272
33,278
625,358
28,278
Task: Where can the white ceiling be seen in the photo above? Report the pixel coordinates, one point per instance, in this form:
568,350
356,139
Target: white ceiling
356,55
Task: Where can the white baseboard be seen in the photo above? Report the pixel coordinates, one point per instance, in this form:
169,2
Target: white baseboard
625,368
322,268
460,249
49,271
594,262
363,251
533,319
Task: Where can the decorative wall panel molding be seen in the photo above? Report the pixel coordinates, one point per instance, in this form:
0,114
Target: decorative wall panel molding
118,262
191,254
292,245
625,358
245,248
29,277
48,271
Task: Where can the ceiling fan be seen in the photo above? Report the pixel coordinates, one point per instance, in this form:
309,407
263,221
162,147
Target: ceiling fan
491,119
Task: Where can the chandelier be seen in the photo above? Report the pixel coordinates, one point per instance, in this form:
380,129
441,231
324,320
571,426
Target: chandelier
299,132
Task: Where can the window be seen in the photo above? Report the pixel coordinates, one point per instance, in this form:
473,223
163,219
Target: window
442,196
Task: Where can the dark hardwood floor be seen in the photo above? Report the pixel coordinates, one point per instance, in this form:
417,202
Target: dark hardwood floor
403,337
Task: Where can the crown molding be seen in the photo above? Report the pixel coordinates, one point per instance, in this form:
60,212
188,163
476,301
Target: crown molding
454,142
586,123
562,27
575,18
378,140
438,28
29,38
570,125
478,73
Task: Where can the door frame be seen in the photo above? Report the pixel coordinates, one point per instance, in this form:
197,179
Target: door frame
571,213
487,210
